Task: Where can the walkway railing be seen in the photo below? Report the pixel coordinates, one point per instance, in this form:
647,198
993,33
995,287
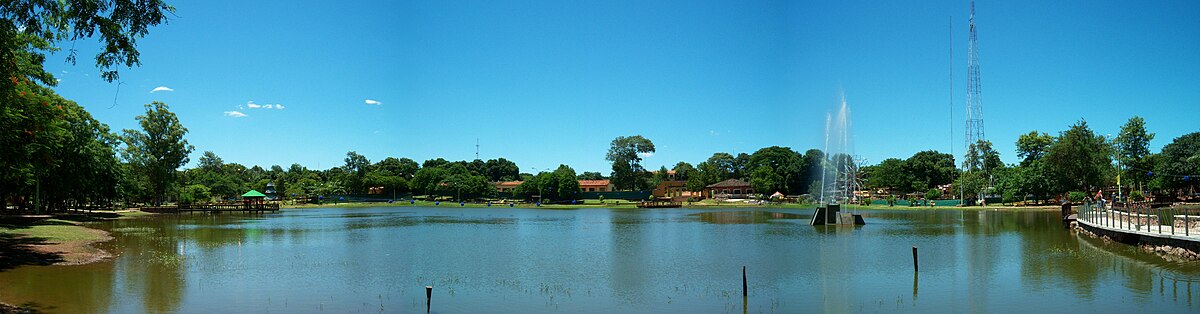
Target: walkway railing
1175,221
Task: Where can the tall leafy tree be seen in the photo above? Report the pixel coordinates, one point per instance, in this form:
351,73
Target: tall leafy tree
357,166
501,169
119,24
683,171
890,175
1080,159
742,165
1133,147
1033,146
159,148
590,175
814,161
787,163
625,153
928,169
766,180
1180,163
566,186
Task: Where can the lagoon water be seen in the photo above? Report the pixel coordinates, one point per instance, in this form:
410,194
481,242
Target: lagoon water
606,260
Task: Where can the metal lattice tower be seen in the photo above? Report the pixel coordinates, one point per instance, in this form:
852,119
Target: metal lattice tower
974,98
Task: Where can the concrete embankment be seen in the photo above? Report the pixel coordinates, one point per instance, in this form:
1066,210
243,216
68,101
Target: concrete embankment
1175,245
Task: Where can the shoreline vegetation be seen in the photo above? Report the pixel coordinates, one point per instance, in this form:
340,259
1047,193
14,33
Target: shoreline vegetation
61,240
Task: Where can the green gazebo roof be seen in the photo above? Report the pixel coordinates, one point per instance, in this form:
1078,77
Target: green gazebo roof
253,193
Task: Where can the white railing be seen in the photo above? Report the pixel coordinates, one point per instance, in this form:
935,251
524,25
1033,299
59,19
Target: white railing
1174,220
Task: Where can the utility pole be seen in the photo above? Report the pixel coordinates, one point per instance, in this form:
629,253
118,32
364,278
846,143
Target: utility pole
951,37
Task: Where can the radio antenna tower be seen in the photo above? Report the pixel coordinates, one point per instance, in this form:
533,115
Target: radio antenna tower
476,148
974,99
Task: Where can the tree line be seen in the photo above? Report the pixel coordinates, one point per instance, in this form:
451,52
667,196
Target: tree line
1077,162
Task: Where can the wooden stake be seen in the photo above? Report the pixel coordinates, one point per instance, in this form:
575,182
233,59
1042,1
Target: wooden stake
915,267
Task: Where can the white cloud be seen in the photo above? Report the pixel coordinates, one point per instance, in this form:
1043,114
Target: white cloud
373,102
269,106
645,155
234,114
162,89
252,105
279,106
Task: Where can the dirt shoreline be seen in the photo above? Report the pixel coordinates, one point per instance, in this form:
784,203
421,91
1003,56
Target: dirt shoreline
68,242
79,252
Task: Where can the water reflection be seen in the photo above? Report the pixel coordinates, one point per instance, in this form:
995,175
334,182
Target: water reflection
601,260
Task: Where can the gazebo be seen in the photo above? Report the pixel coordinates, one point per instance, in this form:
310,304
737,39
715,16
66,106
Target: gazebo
253,198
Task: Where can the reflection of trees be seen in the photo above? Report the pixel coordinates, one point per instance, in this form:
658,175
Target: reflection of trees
630,252
75,289
744,217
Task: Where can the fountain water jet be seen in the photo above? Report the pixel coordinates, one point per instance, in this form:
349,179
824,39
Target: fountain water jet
844,172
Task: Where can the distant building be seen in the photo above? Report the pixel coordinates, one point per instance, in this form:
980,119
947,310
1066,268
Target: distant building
506,186
732,188
670,174
595,186
676,190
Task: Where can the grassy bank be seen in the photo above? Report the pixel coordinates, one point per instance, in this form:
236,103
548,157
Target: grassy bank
49,241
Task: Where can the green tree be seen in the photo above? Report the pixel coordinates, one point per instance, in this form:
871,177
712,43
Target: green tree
1133,149
1033,146
502,170
195,193
741,166
722,166
765,180
890,175
1079,160
933,194
357,166
1179,166
158,149
929,169
428,179
566,186
625,153
683,171
981,157
590,175
118,22
434,163
786,163
393,166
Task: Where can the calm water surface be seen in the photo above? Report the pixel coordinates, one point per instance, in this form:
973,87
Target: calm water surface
602,260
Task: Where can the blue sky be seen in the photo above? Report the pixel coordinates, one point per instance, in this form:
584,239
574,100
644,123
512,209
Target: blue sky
549,82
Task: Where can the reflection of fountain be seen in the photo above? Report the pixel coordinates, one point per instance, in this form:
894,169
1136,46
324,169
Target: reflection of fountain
839,165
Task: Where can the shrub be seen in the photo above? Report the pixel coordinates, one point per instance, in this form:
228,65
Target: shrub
1076,196
891,200
1137,196
933,194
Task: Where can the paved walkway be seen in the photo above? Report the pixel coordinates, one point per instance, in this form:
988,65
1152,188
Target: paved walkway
1167,223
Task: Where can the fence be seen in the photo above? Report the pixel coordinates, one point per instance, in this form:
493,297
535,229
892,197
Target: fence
1175,220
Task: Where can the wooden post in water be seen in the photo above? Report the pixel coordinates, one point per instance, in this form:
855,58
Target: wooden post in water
744,293
915,267
428,297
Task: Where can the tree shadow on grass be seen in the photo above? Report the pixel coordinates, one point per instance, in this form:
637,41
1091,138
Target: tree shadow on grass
18,250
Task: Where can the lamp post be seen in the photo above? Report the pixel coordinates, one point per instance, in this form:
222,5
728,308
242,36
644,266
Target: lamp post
1117,154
